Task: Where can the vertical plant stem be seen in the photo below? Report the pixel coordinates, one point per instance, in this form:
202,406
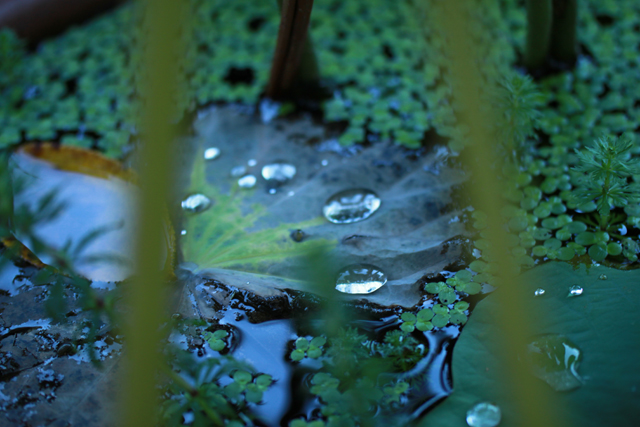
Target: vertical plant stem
146,299
563,31
533,406
291,47
539,22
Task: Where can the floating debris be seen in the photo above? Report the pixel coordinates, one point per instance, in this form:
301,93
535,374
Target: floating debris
360,279
484,414
238,171
211,153
247,181
539,292
196,203
252,162
298,235
351,206
278,172
603,277
575,291
555,359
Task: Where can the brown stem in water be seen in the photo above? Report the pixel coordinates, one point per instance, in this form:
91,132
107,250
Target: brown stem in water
290,47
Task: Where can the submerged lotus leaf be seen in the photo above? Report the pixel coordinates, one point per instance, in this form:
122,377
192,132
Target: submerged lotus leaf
601,323
245,238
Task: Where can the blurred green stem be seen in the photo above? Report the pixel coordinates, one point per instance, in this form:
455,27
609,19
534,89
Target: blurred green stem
563,31
539,22
147,295
533,407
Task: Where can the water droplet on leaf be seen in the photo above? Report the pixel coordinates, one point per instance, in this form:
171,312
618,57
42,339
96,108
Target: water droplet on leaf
603,277
575,291
211,153
484,414
351,206
272,191
196,203
252,162
278,172
360,279
324,162
555,359
247,181
183,232
539,292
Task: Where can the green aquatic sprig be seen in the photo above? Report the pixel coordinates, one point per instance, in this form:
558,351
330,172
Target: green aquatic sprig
517,103
607,166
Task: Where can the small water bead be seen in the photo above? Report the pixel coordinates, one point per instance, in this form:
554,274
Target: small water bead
252,162
247,181
360,279
196,203
324,162
539,292
272,191
555,360
238,171
603,277
575,291
211,153
183,232
278,172
484,414
350,206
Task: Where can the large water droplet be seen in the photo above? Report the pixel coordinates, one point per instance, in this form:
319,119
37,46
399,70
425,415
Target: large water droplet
484,414
555,359
211,153
196,203
278,172
539,292
575,291
351,206
360,279
247,181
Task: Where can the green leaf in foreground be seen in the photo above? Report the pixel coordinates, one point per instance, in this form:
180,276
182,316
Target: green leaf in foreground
602,323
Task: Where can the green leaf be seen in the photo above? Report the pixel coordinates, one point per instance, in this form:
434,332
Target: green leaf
608,339
302,344
242,377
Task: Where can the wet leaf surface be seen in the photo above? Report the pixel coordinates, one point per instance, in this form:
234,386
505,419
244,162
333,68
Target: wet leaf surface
603,324
245,238
43,382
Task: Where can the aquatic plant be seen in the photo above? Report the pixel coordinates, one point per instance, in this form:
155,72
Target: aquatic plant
607,166
198,390
216,340
12,52
304,348
517,103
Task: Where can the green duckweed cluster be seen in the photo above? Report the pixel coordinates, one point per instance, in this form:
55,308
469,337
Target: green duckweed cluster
380,61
